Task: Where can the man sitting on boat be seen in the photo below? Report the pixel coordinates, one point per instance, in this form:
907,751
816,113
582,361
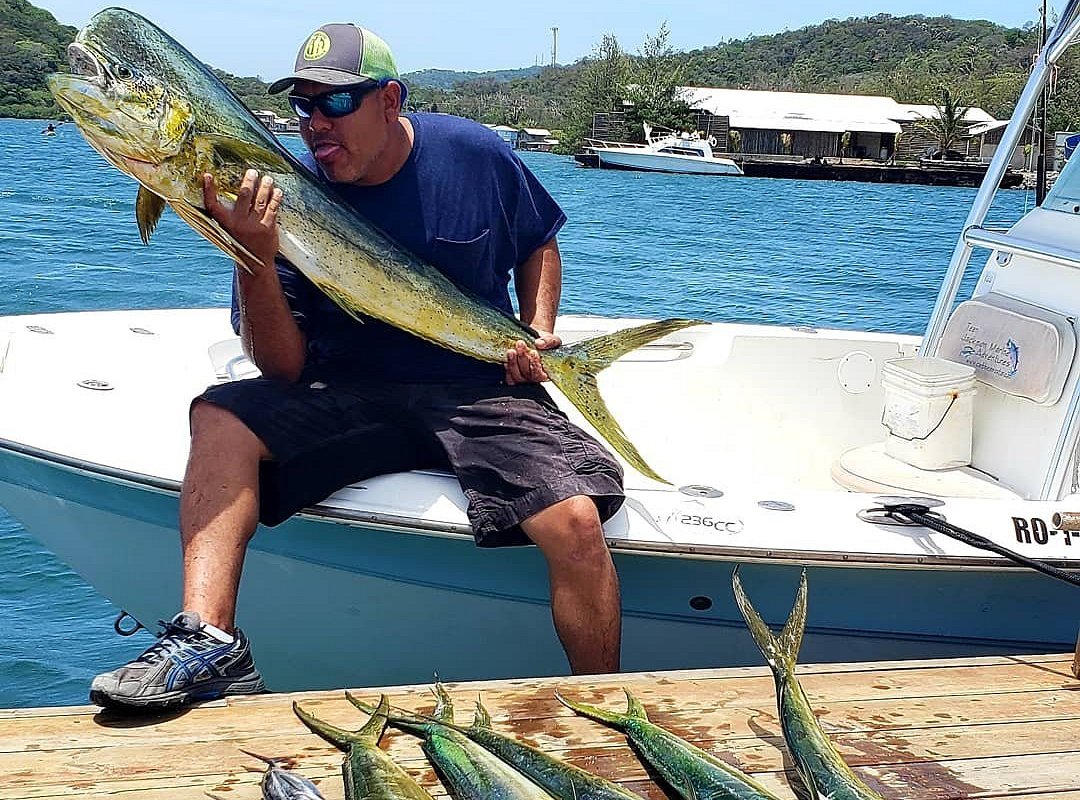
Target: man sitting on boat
340,401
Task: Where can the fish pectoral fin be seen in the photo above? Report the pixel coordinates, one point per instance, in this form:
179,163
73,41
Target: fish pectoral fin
148,210
248,154
207,227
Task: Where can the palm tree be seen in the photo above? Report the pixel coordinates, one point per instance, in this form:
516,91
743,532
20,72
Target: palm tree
949,125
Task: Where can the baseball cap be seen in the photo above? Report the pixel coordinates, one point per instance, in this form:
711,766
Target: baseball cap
342,54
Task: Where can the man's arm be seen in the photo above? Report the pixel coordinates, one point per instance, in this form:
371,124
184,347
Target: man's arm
538,282
270,335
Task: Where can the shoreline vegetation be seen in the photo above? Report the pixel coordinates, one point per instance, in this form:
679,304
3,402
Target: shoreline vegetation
907,58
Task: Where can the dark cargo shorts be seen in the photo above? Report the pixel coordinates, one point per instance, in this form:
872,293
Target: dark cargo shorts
513,451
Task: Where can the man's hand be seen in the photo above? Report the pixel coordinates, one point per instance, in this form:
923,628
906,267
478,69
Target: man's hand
523,363
252,221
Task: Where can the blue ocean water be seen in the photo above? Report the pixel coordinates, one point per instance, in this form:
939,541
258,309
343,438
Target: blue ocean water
827,254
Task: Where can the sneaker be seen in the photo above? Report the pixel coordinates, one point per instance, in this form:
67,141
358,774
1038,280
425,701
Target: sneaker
186,664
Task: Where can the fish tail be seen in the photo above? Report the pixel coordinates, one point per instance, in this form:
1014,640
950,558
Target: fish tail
444,705
481,717
613,718
339,737
374,727
413,723
780,650
634,708
573,369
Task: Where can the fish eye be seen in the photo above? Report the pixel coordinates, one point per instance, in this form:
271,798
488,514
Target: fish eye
122,72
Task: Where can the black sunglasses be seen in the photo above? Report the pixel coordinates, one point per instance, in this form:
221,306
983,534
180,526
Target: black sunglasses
338,103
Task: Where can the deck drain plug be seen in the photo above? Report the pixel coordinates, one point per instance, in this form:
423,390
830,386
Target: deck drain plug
701,603
96,385
776,505
695,490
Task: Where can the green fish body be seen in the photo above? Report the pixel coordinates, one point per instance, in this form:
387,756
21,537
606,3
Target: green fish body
470,771
821,768
561,780
160,115
369,773
693,773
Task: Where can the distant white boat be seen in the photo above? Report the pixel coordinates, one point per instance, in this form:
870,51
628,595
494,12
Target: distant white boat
685,154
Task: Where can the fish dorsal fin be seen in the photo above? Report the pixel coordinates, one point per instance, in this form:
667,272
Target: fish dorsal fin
634,708
481,717
247,154
444,706
207,227
148,210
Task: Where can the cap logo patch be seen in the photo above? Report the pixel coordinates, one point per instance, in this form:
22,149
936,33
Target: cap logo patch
317,46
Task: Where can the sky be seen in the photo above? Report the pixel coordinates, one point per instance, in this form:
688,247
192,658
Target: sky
248,37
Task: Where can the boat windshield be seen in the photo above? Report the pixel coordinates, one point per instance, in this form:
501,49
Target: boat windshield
1065,194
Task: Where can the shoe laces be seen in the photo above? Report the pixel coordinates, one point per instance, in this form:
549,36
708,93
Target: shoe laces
172,638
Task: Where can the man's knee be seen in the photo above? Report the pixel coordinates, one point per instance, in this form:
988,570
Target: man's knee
217,427
569,531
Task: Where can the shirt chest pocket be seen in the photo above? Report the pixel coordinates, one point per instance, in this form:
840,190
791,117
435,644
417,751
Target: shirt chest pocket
466,262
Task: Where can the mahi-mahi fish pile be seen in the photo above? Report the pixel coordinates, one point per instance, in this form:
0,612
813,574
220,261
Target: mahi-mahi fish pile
159,115
476,762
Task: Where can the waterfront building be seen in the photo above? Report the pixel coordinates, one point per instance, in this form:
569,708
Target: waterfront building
830,126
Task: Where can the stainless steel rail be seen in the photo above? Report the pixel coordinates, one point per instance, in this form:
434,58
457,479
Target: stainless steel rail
1064,33
1018,246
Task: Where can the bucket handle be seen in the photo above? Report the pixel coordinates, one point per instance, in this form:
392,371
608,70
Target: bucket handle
954,394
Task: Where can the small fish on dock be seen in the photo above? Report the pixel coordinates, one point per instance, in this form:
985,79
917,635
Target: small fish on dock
817,761
693,773
561,780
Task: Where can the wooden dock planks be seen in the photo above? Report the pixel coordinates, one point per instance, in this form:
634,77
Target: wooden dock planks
988,727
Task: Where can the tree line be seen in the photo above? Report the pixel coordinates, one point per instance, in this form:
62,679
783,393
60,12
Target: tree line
910,58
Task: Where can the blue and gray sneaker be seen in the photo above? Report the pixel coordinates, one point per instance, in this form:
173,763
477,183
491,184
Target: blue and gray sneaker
186,664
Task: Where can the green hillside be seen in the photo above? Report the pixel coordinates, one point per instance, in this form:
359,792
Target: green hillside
448,78
33,44
908,58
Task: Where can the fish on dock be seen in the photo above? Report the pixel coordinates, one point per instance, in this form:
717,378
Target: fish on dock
369,773
470,771
692,772
561,780
817,761
161,116
284,784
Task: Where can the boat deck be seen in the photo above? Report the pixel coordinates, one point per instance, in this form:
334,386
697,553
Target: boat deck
986,727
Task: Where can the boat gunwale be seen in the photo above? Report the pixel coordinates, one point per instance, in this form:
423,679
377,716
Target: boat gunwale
668,549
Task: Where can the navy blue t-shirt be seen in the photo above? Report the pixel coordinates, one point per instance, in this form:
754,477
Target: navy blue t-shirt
464,203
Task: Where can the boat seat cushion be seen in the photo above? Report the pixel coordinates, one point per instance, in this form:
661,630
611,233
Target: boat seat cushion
1018,348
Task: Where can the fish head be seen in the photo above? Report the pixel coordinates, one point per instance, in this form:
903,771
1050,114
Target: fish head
123,91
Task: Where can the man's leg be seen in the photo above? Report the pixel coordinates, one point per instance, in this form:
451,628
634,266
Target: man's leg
584,586
219,511
201,655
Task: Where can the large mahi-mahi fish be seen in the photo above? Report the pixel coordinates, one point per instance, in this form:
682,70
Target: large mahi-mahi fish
160,115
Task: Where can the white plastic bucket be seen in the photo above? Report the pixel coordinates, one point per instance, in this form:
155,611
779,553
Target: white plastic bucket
928,411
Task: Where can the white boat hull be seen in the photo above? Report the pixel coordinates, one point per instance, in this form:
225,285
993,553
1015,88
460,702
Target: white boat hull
644,161
332,603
